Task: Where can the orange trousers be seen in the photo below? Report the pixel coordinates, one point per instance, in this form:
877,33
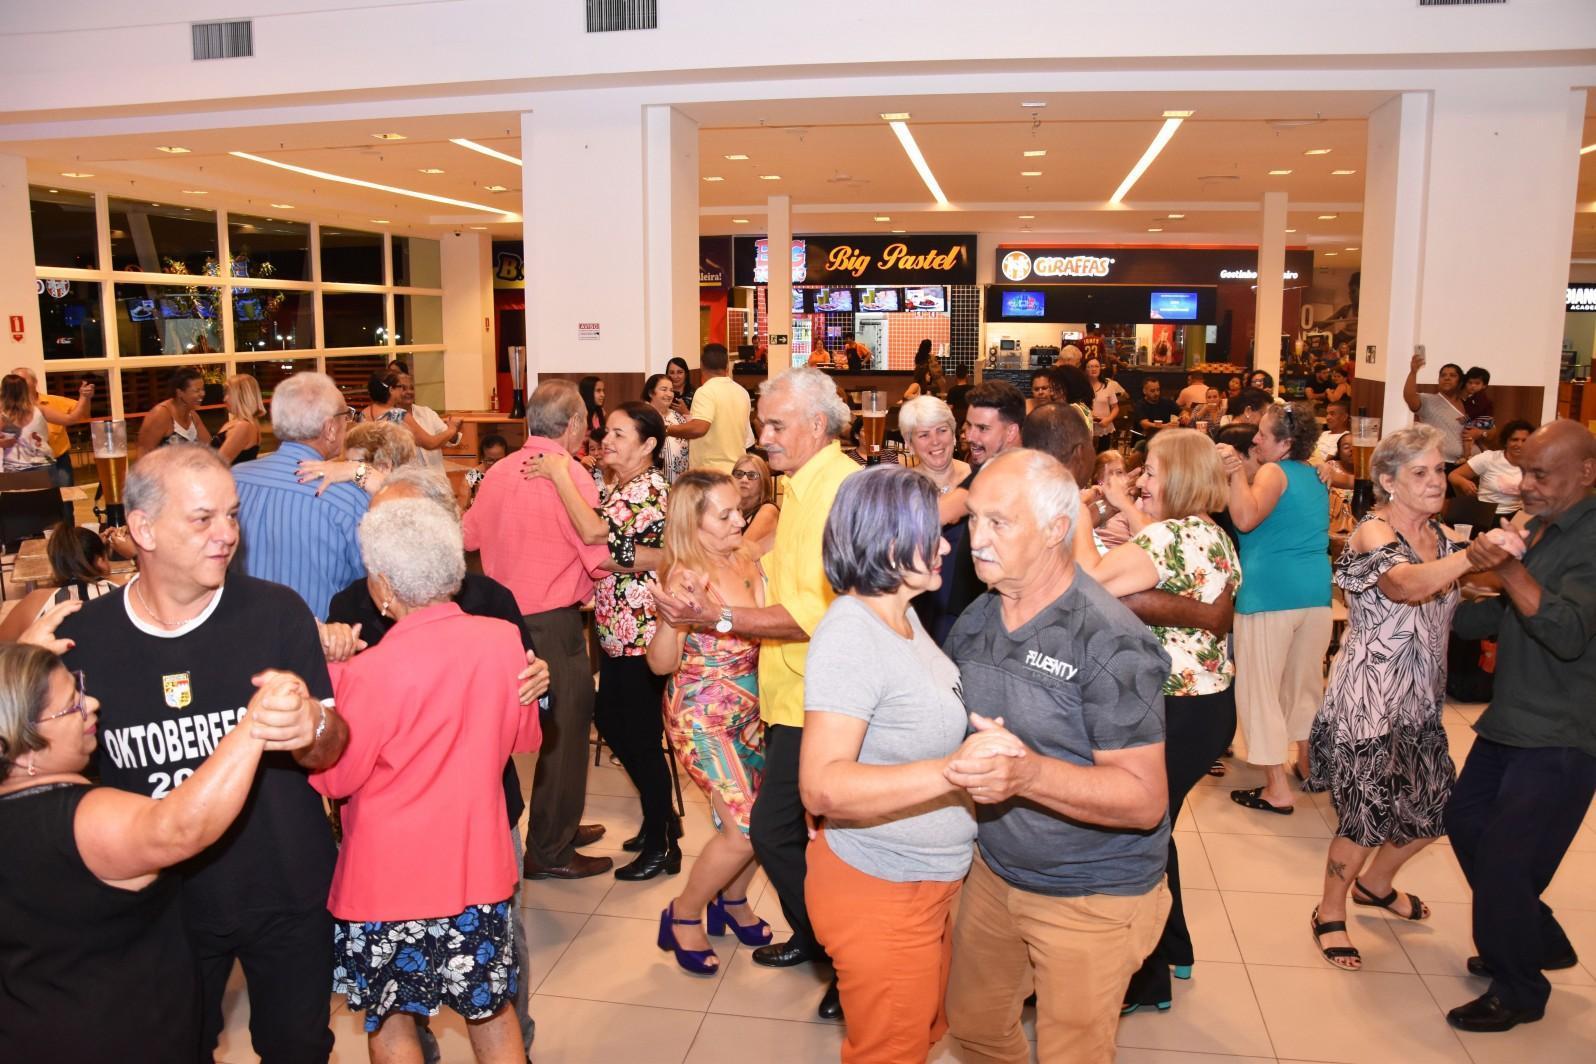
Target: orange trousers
892,945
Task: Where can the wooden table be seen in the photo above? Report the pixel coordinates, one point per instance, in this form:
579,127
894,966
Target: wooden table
33,570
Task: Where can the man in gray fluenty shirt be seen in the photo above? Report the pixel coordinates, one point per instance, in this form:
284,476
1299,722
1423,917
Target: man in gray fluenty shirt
1073,837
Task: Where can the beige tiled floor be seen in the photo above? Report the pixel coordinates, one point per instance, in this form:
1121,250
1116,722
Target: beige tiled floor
1260,991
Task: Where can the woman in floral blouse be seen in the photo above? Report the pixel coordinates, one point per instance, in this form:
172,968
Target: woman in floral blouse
631,518
1174,547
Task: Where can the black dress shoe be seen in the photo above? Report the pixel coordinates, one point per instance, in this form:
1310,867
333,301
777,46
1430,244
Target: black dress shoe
665,857
781,954
635,843
580,866
1486,1013
831,1004
1477,965
587,835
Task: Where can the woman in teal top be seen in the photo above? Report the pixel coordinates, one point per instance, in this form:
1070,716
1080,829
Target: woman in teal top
1283,610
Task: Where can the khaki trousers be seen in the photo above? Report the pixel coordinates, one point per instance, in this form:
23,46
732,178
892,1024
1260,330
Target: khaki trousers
1079,953
1279,678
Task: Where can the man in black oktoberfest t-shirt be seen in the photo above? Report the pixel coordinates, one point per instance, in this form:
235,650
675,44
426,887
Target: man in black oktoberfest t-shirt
171,658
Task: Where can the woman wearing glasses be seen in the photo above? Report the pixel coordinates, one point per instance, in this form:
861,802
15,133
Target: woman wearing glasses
94,964
756,491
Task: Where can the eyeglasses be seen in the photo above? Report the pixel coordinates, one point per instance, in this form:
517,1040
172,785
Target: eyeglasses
745,474
351,414
78,706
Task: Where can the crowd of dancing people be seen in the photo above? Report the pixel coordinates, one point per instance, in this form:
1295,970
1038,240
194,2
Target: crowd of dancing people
952,707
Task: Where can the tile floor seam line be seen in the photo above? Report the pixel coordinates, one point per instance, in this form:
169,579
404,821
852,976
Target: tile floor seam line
530,990
1247,970
1456,1034
627,1004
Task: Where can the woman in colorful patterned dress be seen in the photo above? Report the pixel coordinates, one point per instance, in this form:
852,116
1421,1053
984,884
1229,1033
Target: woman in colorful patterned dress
1377,743
631,518
712,712
1175,547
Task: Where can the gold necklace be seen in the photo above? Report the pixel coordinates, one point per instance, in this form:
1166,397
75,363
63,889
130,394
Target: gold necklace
139,591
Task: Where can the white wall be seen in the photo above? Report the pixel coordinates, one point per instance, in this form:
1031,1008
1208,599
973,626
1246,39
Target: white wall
18,293
467,322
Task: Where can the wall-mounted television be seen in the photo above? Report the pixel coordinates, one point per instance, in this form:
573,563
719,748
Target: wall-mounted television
797,300
1173,306
1024,304
933,298
878,299
839,300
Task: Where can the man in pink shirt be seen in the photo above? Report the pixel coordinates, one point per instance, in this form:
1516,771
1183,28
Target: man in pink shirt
529,545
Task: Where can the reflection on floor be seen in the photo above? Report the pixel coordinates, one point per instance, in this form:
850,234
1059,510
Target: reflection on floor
1259,992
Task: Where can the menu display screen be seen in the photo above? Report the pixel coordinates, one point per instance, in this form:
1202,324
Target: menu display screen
1024,304
1173,306
933,298
797,300
834,299
878,299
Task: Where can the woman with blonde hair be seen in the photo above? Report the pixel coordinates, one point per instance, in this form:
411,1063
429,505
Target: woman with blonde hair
756,489
712,711
239,439
1176,547
372,450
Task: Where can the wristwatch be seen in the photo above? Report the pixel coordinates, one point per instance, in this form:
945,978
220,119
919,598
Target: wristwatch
360,474
724,625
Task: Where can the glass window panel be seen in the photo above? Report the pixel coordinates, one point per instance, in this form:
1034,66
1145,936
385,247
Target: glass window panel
63,228
418,319
159,238
69,316
416,263
267,319
427,373
353,319
268,247
349,256
352,373
269,373
167,320
144,386
65,383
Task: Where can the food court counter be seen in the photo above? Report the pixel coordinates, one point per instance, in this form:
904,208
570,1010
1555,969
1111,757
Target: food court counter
892,382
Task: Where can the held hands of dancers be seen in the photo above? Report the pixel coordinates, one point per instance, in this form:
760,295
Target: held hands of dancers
282,711
992,764
689,602
1497,547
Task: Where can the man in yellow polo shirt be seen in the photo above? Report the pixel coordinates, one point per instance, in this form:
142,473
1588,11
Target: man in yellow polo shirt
801,417
60,444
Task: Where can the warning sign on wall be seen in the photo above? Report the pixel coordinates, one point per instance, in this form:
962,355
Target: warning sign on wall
587,330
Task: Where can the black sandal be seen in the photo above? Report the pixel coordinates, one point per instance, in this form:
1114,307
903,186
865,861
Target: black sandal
1217,769
1361,895
1254,799
1334,954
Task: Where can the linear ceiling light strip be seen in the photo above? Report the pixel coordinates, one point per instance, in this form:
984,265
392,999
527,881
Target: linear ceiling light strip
1164,134
484,149
325,176
912,150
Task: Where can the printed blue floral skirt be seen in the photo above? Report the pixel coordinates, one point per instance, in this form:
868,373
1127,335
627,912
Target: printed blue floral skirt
466,962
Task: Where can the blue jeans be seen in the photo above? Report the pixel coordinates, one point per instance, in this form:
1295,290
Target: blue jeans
1511,818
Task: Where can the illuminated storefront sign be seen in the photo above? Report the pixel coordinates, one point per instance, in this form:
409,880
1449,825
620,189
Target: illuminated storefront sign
1072,264
1580,297
864,259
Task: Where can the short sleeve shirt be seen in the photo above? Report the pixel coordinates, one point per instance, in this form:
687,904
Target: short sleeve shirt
723,403
1082,675
623,607
1194,560
1435,411
1499,480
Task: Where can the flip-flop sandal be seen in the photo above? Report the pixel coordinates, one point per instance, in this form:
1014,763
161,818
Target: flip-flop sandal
1334,953
1361,895
1254,799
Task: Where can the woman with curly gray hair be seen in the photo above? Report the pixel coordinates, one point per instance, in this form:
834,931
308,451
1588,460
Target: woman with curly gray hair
1283,609
1377,743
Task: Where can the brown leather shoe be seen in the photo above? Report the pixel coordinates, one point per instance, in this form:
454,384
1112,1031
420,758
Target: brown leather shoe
587,834
579,867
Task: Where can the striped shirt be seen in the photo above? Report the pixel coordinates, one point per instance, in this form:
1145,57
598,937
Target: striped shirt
290,535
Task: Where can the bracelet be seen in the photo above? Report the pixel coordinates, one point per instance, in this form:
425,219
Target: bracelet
360,474
321,725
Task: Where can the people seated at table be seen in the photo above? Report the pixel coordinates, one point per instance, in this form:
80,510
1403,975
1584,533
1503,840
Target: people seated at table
176,419
80,569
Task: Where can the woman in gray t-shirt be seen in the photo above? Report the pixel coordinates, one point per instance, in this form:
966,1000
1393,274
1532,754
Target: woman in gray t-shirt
882,719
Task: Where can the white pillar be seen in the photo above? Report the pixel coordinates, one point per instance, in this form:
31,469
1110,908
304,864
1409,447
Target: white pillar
19,296
468,377
1396,184
1270,293
778,292
671,218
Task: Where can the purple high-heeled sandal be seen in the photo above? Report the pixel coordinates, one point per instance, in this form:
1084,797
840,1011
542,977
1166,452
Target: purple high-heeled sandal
748,934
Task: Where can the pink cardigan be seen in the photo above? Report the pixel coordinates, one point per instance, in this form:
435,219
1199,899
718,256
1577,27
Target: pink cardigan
433,715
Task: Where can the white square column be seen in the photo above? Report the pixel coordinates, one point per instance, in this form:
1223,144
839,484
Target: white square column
19,293
671,219
778,290
469,377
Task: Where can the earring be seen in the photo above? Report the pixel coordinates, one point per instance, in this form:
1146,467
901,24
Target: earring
383,609
32,769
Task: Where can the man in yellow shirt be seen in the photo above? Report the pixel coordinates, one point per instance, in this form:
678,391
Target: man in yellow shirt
716,429
60,443
801,417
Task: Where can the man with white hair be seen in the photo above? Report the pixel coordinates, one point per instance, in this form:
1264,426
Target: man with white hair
292,534
1067,888
801,417
177,652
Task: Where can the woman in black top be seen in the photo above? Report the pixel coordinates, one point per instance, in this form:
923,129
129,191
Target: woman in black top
94,964
592,389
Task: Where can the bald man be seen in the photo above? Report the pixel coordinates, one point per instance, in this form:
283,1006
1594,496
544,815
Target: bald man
1532,771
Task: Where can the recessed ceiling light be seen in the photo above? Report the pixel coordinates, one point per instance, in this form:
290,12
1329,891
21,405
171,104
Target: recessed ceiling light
1342,173
157,205
52,190
1328,217
1172,121
74,173
495,188
1351,249
430,170
389,136
883,218
279,206
770,177
900,230
1030,173
1291,230
739,221
1033,103
483,149
479,227
735,158
895,116
1154,229
1331,254
1317,151
714,179
1176,217
1279,173
1027,217
195,192
171,149
379,221
1036,153
1179,114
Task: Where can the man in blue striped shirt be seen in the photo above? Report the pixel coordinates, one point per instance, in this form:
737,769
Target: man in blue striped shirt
291,535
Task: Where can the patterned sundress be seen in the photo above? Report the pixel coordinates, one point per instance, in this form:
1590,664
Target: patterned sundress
1378,744
712,719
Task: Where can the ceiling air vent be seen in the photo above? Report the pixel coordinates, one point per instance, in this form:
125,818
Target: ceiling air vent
1457,3
605,16
222,40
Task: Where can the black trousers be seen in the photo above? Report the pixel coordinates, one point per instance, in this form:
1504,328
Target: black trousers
777,830
1511,818
630,717
288,965
1197,728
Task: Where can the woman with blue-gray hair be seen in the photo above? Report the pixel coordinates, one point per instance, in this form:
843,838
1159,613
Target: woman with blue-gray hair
434,713
882,719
